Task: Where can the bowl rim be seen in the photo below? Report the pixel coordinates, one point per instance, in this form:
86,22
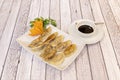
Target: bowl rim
78,22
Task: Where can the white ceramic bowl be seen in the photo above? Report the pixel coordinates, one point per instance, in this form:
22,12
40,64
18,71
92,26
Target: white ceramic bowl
91,38
85,22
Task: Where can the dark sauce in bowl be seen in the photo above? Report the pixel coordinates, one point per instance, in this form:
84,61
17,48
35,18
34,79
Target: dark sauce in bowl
85,29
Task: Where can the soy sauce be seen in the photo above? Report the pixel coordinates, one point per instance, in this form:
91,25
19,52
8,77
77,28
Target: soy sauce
85,29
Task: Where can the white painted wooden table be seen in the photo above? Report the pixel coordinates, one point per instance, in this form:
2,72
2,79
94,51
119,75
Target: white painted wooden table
100,61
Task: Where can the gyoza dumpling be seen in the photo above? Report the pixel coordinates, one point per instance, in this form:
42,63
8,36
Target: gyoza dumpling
70,50
63,45
40,46
51,37
57,40
57,59
41,38
48,52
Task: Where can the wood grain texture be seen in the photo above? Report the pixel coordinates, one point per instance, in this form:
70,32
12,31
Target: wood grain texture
118,2
38,70
55,11
38,66
12,60
100,61
52,73
70,72
4,14
65,14
1,3
26,59
114,6
83,67
112,27
7,34
44,8
106,45
82,62
24,67
94,51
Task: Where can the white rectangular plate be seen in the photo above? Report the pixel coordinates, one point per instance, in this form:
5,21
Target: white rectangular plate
25,40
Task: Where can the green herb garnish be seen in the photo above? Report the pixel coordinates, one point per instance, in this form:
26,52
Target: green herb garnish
46,22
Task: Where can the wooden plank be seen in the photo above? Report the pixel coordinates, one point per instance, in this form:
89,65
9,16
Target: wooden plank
70,72
65,14
94,51
12,60
9,71
4,13
83,66
112,27
1,3
115,12
86,10
115,7
55,11
7,34
26,59
38,67
75,10
24,67
52,73
97,63
82,62
34,11
118,2
44,8
106,45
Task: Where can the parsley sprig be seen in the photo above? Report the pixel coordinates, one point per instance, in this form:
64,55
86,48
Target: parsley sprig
46,21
